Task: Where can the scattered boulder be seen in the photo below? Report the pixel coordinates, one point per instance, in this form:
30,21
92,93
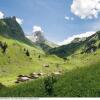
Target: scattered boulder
23,79
40,74
46,65
57,73
20,75
34,75
17,81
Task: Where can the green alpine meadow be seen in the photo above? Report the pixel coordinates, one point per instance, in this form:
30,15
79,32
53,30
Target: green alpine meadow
40,70
36,65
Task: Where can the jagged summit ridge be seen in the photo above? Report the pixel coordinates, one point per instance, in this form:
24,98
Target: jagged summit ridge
9,27
37,37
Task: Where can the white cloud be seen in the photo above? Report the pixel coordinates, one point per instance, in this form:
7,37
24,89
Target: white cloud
68,40
20,21
86,8
37,28
69,18
1,15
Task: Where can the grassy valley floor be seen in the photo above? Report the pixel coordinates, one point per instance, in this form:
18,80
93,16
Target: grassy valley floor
80,76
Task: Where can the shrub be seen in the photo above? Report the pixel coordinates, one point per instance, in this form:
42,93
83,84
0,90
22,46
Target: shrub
48,85
1,86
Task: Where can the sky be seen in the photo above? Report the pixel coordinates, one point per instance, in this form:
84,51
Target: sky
58,19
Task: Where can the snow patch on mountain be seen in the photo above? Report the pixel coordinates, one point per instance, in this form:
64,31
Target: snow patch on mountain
70,39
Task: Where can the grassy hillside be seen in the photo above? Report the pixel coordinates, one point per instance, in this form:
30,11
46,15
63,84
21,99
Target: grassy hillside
80,80
15,61
79,69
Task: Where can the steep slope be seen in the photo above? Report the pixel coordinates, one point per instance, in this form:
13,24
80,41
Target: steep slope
85,45
15,61
9,28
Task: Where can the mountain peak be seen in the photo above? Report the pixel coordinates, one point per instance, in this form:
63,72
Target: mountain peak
37,37
10,28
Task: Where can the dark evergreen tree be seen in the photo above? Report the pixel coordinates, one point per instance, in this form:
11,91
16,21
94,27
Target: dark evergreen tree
99,45
4,47
39,56
27,53
0,44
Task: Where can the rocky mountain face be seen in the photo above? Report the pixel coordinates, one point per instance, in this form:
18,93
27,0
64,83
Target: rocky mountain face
39,40
37,37
10,28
